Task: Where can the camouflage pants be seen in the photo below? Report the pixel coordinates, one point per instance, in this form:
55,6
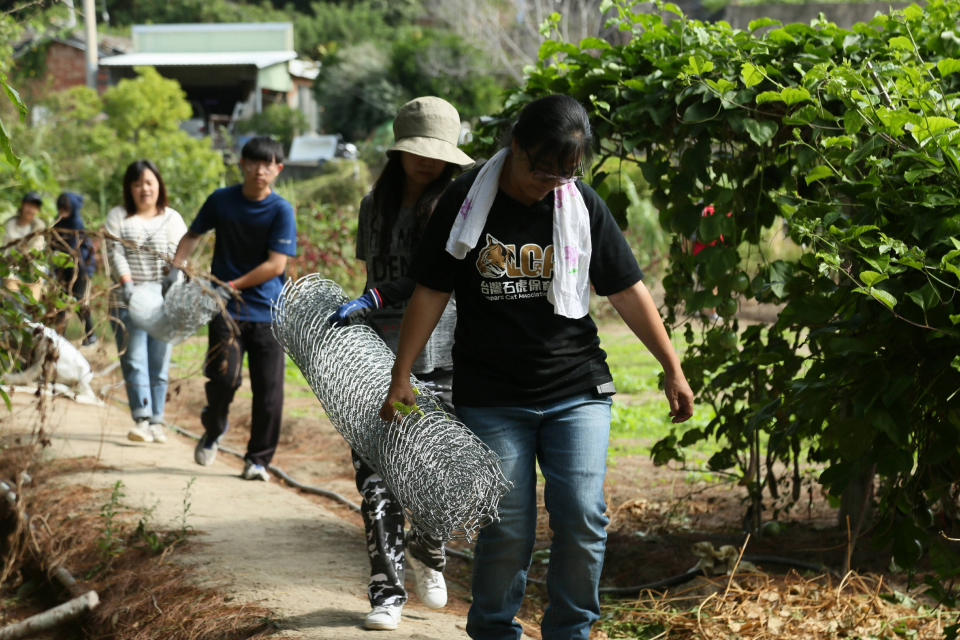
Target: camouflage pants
383,520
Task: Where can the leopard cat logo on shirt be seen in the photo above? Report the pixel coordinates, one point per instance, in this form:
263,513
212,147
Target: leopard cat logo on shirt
492,262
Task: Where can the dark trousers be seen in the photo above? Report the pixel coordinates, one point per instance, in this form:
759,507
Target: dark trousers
78,289
224,372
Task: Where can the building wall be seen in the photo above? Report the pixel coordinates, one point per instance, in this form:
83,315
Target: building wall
66,66
301,97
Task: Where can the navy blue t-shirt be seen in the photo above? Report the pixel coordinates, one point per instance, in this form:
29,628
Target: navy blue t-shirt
246,231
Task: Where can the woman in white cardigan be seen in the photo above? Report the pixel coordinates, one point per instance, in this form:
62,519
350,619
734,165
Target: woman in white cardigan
151,231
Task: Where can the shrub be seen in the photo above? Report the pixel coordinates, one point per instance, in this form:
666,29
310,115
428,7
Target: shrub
89,153
852,137
277,120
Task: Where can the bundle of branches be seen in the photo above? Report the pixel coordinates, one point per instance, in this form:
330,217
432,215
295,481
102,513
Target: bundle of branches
143,595
791,606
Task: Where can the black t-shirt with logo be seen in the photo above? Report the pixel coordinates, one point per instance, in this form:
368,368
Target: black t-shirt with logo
510,347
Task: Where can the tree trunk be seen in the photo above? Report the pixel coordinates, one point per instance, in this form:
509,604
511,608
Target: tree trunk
857,495
858,509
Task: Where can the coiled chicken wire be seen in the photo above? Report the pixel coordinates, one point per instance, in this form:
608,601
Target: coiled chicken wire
176,316
448,482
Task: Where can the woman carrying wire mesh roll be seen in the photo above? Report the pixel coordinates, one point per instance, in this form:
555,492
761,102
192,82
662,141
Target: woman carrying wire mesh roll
420,165
520,241
150,231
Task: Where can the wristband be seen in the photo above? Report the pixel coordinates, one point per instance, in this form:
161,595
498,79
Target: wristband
377,298
232,286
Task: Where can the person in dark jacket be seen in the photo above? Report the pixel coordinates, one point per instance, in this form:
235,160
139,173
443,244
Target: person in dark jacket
71,240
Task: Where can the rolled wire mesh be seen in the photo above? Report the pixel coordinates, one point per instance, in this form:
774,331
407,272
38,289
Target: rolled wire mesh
176,316
448,482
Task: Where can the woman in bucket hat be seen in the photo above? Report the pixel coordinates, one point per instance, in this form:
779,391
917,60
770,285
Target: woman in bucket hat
421,163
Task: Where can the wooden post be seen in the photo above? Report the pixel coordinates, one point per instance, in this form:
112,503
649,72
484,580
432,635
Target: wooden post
90,18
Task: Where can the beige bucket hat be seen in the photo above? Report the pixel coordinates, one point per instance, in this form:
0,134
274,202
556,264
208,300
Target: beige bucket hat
429,127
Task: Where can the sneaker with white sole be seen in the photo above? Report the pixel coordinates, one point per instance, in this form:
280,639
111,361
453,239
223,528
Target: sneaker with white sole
431,587
206,450
141,432
384,618
252,471
158,433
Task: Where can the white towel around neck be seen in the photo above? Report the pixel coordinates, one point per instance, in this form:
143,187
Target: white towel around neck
570,291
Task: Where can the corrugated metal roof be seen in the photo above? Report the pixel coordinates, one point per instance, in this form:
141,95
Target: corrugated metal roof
260,59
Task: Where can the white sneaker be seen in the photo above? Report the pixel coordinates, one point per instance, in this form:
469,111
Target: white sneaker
141,432
157,431
431,587
253,471
206,452
385,617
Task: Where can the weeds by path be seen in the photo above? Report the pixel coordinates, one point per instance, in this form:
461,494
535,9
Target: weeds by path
143,594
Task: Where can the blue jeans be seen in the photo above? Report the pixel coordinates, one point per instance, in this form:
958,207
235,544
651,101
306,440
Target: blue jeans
569,439
144,362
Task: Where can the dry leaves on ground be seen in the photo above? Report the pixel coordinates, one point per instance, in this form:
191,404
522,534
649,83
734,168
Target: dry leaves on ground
756,606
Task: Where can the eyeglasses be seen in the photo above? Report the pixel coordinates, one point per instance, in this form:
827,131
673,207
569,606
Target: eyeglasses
546,177
252,166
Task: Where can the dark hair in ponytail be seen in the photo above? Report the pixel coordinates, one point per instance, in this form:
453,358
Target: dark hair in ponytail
555,130
388,194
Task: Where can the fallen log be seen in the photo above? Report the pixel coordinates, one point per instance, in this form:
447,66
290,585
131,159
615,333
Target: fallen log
52,618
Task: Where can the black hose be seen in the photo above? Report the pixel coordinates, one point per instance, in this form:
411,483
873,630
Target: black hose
333,495
790,562
693,573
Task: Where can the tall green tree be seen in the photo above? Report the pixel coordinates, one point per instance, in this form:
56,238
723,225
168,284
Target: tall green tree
363,86
357,91
148,105
431,62
90,152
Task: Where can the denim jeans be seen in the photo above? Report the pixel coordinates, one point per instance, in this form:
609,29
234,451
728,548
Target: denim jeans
144,362
568,437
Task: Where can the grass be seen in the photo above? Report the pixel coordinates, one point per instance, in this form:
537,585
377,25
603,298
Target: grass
189,356
651,422
636,373
634,369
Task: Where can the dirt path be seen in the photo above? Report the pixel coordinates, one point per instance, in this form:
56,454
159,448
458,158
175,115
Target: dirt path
261,542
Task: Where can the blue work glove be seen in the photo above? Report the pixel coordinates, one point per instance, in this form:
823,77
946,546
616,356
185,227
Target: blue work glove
370,300
126,291
169,279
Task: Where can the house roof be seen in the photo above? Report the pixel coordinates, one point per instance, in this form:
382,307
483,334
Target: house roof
259,59
107,45
212,26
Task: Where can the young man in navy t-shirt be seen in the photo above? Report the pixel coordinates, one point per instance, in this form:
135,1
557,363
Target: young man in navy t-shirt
256,231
